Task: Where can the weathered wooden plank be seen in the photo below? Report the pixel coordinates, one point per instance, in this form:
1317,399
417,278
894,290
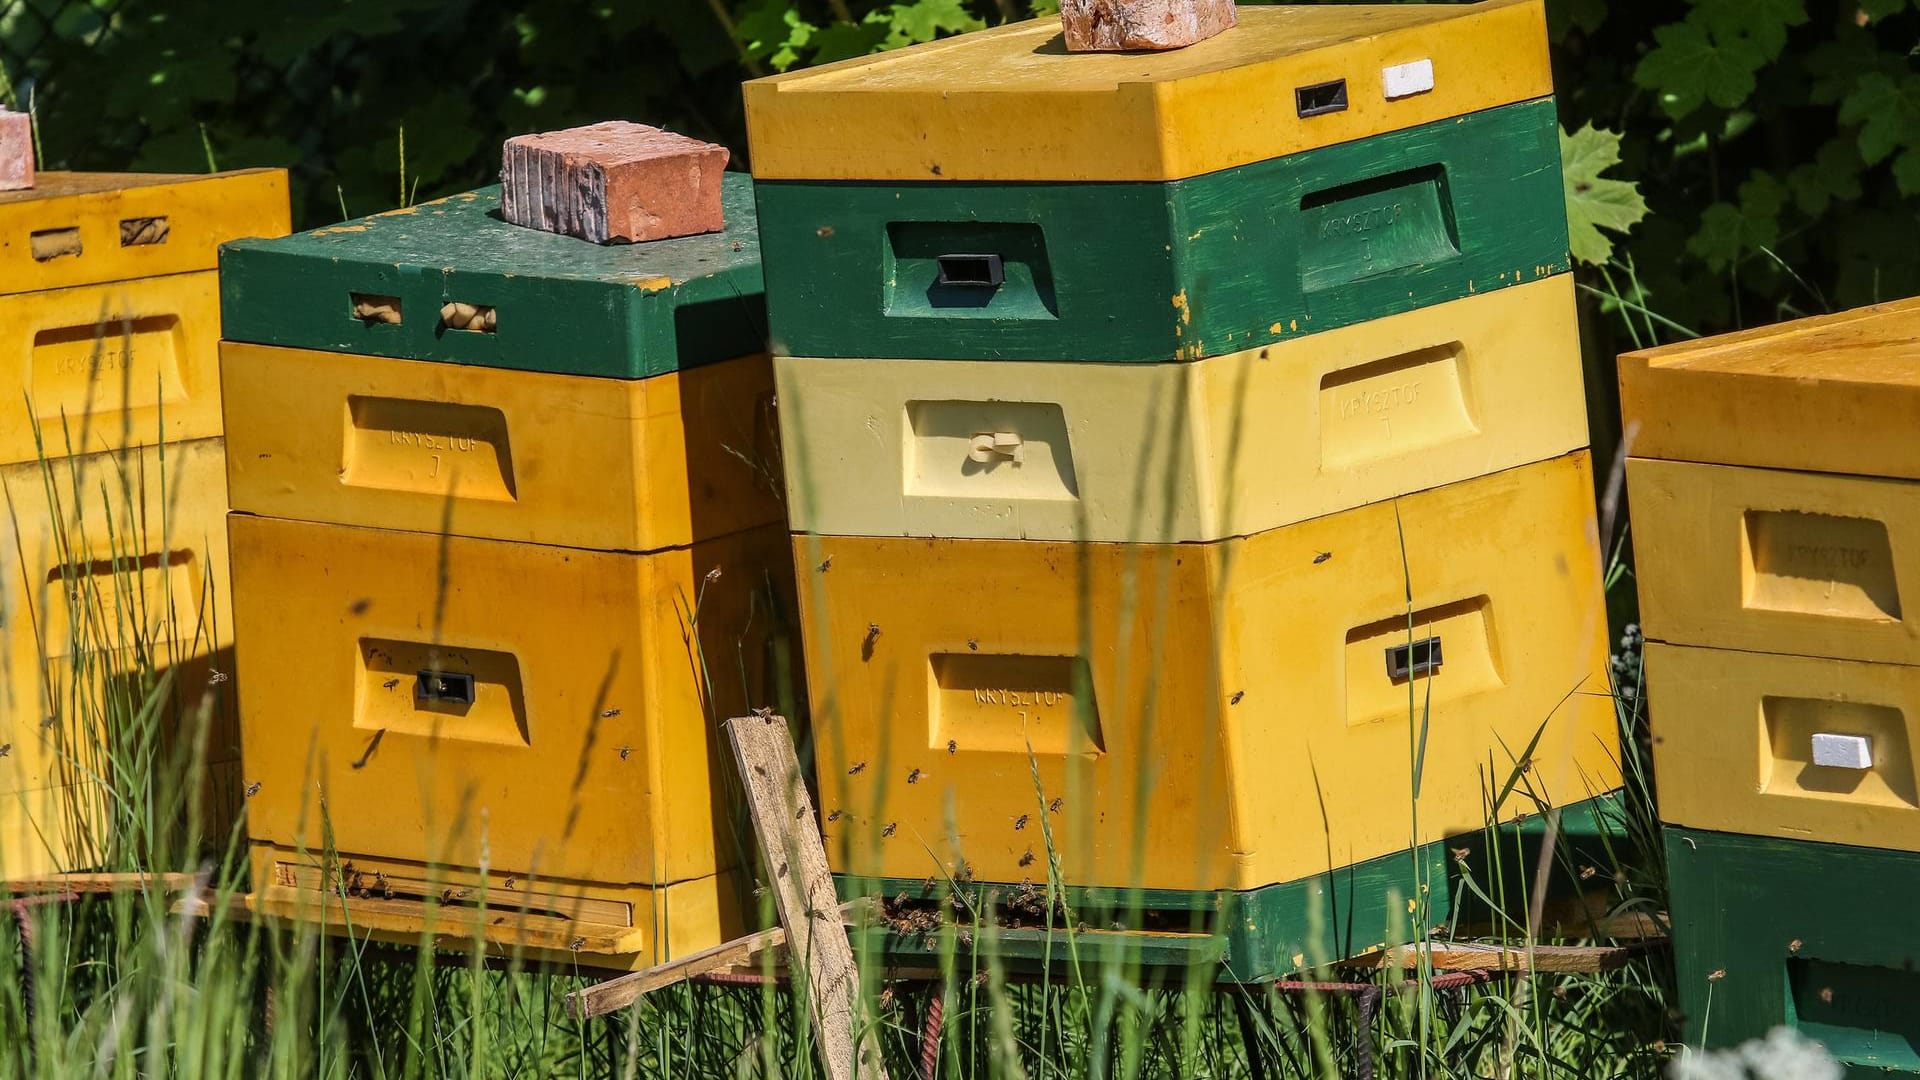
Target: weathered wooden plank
94,883
1134,272
1481,956
796,863
616,994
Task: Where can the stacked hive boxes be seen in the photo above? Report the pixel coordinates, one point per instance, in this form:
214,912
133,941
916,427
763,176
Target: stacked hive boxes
1174,443
1774,498
506,542
112,465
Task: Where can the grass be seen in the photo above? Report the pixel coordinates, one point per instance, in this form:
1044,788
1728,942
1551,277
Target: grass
124,985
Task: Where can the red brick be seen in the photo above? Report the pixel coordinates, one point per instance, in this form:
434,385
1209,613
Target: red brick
613,181
16,150
1129,25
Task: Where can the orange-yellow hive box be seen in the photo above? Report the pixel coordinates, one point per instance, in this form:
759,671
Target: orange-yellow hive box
1286,79
139,537
109,308
1219,716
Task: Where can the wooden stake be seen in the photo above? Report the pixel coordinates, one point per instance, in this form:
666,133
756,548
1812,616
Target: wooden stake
796,865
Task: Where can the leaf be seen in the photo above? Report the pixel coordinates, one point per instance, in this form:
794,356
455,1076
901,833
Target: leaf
1594,203
1689,67
1833,175
1875,10
1728,232
1763,23
923,20
772,30
1888,113
1566,16
840,41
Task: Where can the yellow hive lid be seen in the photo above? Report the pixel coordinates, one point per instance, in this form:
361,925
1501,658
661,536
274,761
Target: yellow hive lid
90,228
1012,104
1837,394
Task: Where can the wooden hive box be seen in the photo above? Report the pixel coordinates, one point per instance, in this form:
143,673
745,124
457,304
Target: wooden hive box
1226,446
109,310
1775,493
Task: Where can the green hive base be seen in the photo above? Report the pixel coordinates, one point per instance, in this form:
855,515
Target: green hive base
564,305
1148,272
1821,937
1263,934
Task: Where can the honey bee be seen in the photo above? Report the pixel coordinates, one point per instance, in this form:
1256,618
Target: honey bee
873,631
1237,695
973,645
625,751
1716,974
888,831
1020,823
1054,806
858,768
913,777
1793,947
1027,859
217,677
836,816
512,881
824,565
1322,557
953,746
713,575
253,789
5,749
577,944
609,714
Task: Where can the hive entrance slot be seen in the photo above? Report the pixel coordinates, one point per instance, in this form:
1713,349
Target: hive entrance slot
444,687
50,244
975,271
475,318
1321,98
375,309
1414,659
144,231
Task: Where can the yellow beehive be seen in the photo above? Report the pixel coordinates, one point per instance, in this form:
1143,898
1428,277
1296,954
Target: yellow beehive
1285,79
109,308
1225,446
139,539
1773,560
1219,716
1770,483
610,464
1797,747
543,714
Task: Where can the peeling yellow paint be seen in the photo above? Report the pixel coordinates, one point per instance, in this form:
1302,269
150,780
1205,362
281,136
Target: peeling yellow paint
1180,305
656,283
1276,328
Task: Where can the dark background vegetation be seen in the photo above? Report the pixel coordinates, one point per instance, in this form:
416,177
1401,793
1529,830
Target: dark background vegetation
1777,141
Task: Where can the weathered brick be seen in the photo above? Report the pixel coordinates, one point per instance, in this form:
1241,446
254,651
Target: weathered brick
16,150
613,181
1127,25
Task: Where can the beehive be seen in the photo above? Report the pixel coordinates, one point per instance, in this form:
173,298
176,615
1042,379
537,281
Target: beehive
118,562
1773,487
1147,272
1226,446
507,549
1221,716
108,308
1817,937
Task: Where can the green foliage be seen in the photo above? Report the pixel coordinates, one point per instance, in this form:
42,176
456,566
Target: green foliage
1594,203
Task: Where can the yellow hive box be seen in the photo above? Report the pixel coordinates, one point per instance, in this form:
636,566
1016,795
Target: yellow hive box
543,712
100,367
1285,79
533,919
1833,394
1219,716
139,538
1225,446
1774,560
1788,746
89,228
609,464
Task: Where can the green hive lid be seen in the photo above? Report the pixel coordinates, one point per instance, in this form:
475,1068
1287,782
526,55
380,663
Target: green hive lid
560,304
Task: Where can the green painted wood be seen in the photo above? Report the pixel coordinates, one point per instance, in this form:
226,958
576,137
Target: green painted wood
1819,936
1258,935
562,304
1139,272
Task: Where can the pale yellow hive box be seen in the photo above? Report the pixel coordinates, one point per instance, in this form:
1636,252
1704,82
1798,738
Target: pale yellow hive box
1285,79
546,713
109,305
577,461
1225,446
140,536
1218,716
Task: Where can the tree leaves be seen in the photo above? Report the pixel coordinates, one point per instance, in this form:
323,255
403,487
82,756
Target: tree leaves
1716,54
1595,203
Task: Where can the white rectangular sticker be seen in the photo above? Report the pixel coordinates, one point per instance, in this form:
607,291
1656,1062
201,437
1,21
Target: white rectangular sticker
1406,80
1842,751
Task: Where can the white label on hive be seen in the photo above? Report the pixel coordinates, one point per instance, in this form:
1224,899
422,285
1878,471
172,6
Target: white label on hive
1406,80
1842,751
